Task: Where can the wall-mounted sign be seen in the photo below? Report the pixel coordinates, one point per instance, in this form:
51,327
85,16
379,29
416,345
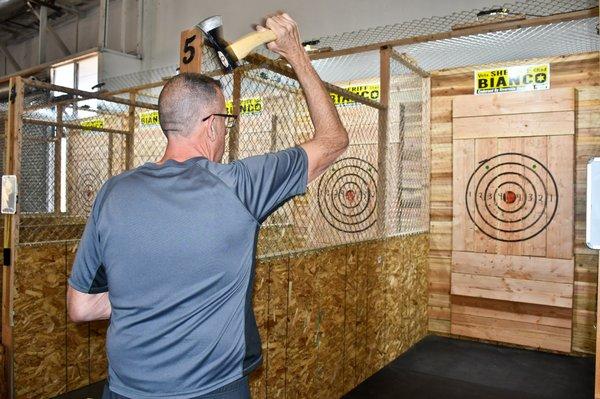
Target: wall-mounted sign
93,123
247,106
370,92
511,79
149,118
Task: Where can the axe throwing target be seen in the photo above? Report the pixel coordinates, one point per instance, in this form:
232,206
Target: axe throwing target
88,184
347,195
511,197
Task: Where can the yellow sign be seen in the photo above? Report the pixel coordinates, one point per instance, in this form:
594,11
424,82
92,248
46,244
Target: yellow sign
93,123
371,92
247,106
149,118
510,79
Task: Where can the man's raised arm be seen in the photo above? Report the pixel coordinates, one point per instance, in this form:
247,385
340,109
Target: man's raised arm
330,139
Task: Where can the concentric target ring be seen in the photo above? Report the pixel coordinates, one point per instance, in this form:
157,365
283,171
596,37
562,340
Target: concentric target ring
522,217
338,194
89,184
495,180
354,188
535,204
347,195
496,194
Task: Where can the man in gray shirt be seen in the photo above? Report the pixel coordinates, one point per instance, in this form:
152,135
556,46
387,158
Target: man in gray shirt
168,249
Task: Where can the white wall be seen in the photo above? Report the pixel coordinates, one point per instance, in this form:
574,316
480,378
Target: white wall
316,18
165,19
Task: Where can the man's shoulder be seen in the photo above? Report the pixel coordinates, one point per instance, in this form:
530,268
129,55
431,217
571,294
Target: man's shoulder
226,172
111,182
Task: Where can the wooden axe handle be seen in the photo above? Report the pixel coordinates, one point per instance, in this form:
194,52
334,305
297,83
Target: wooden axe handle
244,45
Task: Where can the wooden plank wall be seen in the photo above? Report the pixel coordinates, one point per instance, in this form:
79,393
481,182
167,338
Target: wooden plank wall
579,71
328,319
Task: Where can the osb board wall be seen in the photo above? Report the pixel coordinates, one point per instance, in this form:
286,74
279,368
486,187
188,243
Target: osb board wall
579,71
328,319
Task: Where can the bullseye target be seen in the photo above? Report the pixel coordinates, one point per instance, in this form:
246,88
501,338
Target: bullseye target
347,195
511,197
89,184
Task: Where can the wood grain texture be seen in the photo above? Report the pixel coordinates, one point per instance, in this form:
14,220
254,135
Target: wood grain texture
78,341
506,310
491,271
260,304
514,332
567,72
363,263
587,144
484,149
537,124
40,358
559,234
302,331
316,312
517,267
537,147
98,356
277,324
511,289
557,100
376,307
463,233
331,285
352,341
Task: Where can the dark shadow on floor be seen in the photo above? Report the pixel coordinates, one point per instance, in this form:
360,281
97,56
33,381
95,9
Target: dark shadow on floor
439,367
93,391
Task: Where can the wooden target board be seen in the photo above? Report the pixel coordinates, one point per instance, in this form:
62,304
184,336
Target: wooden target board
347,195
513,217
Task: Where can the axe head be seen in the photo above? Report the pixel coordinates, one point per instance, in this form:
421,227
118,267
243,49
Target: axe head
212,27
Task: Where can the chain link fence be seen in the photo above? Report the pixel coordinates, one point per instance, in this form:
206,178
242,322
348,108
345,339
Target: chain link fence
63,167
529,9
71,144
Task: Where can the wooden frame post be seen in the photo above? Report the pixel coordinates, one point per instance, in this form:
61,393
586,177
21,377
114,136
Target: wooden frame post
383,138
12,166
401,121
273,138
111,143
130,138
234,134
58,157
426,147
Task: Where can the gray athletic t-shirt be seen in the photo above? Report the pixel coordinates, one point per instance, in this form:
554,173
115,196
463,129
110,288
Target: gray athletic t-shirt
174,246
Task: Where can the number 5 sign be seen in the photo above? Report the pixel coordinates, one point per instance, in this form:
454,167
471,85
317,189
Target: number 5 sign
190,50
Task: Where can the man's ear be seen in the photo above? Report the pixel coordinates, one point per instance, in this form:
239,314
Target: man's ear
212,133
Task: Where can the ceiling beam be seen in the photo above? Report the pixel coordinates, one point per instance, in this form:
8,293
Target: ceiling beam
43,17
63,47
103,23
9,57
409,63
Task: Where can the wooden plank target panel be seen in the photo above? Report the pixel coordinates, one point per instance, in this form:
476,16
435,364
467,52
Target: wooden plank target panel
513,217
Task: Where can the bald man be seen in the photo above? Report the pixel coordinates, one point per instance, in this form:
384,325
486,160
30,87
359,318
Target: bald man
168,249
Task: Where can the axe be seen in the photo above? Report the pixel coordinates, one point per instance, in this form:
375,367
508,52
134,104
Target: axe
230,54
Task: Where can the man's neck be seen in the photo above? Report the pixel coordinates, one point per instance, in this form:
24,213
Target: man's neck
180,151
